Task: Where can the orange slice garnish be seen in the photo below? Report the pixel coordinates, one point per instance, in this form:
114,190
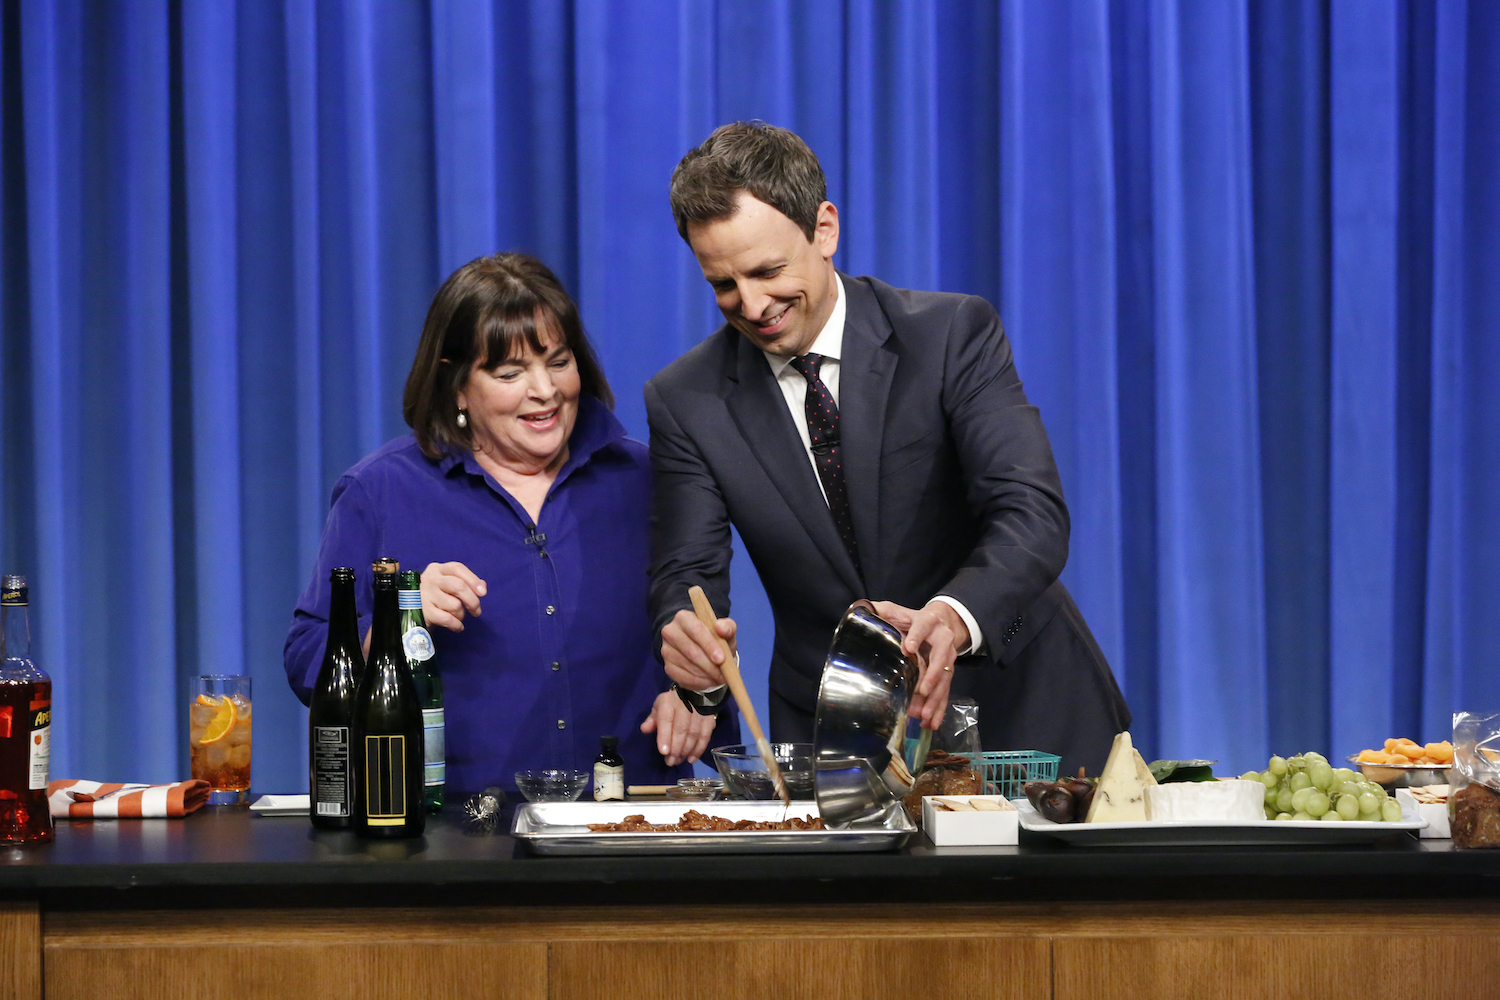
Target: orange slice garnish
222,722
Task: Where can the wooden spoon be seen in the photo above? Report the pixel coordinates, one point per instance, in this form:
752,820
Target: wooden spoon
705,613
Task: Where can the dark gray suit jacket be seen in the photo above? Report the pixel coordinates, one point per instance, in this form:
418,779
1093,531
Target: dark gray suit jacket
952,487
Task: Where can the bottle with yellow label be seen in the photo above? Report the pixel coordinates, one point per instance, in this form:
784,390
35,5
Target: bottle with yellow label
387,728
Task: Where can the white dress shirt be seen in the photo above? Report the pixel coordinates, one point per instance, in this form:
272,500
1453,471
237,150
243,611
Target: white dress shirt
830,344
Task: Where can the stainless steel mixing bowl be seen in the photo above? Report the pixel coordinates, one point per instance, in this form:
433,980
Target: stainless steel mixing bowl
862,701
867,686
851,793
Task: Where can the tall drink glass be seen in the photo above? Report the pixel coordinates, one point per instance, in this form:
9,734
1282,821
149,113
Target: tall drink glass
219,723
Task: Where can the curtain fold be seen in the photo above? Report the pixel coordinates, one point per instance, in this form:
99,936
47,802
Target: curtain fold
1058,275
1244,251
1212,669
1289,140
210,148
1364,109
1462,635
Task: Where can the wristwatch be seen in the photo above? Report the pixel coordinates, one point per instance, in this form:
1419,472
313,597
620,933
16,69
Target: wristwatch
702,702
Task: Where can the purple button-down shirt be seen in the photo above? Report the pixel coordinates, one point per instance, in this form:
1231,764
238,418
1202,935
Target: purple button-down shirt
561,653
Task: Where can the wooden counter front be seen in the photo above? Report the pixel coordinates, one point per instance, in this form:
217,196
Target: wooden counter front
226,905
1090,951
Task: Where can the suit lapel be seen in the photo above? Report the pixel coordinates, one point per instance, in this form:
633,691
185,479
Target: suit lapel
866,371
760,411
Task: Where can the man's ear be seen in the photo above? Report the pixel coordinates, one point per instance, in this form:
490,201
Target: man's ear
826,230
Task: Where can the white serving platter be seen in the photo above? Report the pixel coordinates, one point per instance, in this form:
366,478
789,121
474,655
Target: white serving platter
1160,834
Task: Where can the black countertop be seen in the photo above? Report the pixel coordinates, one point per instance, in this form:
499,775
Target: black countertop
227,856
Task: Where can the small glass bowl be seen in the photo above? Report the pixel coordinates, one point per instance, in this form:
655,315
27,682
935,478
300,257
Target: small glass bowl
695,789
552,785
745,776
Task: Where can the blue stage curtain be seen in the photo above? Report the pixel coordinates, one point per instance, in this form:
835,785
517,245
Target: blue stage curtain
1246,252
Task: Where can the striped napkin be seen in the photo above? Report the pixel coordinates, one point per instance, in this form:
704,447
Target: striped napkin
113,800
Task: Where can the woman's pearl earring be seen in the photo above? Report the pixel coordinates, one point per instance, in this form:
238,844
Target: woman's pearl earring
463,418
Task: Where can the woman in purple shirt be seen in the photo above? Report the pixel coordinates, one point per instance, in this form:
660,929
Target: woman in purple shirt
529,508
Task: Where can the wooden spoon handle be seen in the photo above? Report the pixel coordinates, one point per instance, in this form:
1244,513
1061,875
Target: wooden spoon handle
731,669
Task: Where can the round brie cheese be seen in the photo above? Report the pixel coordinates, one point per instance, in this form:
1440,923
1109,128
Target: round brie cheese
1232,801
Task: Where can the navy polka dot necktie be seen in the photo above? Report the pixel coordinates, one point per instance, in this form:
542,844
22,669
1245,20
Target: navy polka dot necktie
823,429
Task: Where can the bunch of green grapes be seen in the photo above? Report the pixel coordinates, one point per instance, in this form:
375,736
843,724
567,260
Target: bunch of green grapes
1307,787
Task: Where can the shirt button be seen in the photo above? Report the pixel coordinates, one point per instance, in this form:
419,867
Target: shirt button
561,724
551,609
556,665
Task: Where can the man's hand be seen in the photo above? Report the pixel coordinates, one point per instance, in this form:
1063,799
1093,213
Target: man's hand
934,635
691,653
681,733
448,590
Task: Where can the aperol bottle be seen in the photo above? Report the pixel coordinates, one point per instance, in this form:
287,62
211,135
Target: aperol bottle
25,725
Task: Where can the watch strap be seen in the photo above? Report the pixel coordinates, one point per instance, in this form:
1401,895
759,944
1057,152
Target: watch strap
698,701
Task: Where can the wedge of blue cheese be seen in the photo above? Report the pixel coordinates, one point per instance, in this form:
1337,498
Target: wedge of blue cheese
1121,794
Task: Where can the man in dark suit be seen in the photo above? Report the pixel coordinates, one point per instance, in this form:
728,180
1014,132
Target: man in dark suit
866,441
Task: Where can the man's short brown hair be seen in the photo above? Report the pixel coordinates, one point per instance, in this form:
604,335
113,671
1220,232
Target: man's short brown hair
771,164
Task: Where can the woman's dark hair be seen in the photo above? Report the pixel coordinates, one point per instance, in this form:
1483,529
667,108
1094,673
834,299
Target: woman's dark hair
484,314
772,164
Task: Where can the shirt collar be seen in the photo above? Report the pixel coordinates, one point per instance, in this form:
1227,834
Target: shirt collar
830,340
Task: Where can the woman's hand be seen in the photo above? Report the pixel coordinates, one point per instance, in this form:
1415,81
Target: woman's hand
448,590
681,733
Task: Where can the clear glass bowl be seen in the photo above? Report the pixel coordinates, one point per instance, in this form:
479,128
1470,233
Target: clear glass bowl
745,774
695,789
552,786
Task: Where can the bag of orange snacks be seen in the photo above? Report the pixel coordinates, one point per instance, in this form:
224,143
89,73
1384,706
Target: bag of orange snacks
1474,801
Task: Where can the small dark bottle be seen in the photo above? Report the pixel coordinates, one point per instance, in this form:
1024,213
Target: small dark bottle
25,724
331,710
609,771
387,728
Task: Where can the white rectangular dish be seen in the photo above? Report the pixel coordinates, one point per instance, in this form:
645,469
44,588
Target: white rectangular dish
1157,834
969,829
281,805
1435,813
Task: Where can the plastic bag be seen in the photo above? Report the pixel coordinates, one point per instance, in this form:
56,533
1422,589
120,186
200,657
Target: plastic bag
1474,799
959,732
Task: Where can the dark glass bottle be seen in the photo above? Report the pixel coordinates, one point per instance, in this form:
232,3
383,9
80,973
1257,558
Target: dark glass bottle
421,659
25,724
609,771
387,728
331,710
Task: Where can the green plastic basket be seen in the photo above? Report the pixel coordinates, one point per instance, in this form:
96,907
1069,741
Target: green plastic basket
1005,772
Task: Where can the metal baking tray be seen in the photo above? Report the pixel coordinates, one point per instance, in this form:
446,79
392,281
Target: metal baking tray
562,828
